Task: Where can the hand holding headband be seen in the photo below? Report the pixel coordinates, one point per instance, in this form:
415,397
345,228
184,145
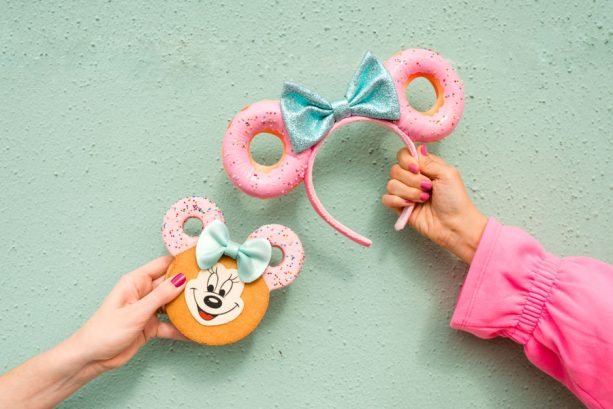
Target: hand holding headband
303,121
309,117
252,257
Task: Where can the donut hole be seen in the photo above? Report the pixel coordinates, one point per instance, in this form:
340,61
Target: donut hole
276,256
193,226
423,93
266,150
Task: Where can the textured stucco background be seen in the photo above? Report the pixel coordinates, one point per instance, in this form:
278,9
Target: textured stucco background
109,112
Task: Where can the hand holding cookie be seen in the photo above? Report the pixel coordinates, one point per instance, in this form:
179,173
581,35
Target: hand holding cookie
125,321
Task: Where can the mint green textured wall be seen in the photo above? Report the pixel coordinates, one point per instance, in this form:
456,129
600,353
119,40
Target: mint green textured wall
112,111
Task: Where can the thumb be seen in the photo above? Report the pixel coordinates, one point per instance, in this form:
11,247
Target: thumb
430,165
161,295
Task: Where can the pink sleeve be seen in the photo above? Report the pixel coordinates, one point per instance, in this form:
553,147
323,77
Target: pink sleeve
559,309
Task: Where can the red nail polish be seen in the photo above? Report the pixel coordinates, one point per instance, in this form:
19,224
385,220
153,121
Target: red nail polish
178,280
426,185
408,201
413,168
424,150
424,196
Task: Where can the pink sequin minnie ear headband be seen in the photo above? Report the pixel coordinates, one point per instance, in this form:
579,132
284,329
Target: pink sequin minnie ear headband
303,120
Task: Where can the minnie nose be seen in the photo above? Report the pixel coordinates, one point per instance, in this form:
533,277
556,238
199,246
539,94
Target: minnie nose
212,301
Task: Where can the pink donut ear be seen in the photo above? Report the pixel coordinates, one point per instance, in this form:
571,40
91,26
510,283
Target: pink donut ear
289,268
440,120
200,208
249,176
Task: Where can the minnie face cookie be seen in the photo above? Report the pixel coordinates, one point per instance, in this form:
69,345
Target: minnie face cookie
228,283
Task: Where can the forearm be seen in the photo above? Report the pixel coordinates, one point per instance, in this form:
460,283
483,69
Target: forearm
47,379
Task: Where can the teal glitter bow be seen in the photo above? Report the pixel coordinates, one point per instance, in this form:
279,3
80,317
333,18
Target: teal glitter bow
309,117
252,257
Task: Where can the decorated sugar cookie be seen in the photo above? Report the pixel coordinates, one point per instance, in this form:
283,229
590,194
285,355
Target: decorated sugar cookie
303,120
228,283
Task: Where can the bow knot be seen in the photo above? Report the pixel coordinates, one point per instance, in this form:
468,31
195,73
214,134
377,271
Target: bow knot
341,109
232,250
252,257
308,116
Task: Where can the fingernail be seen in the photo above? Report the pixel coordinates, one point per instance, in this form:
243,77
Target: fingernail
413,168
426,185
424,150
178,280
424,196
408,201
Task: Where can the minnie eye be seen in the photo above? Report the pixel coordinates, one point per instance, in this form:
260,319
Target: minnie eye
225,288
212,281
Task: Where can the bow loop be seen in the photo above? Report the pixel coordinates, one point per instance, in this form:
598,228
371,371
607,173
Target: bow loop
308,116
252,257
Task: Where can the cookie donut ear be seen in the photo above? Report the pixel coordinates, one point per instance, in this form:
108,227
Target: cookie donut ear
442,118
249,176
200,208
287,241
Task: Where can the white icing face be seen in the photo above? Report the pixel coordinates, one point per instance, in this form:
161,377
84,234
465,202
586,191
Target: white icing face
214,297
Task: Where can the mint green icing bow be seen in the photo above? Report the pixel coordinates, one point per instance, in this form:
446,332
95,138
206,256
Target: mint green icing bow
309,117
252,257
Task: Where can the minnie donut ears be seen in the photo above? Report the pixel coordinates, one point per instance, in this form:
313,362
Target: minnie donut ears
303,120
228,283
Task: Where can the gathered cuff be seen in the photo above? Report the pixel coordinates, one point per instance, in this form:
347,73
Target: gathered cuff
507,286
543,282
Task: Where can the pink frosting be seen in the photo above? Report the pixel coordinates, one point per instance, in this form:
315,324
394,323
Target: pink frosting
431,126
252,178
289,268
177,241
173,235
